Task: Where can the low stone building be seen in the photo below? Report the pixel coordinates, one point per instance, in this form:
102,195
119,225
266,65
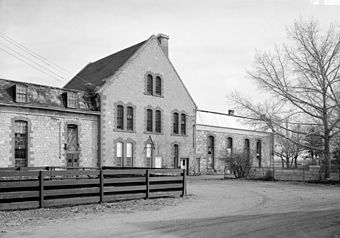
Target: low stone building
47,126
219,136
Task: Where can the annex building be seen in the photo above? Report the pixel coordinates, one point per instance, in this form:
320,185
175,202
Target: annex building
129,109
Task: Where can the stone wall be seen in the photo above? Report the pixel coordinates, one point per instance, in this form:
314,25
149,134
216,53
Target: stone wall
47,136
238,137
128,87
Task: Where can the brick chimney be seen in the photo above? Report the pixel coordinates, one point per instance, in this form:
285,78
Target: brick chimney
163,42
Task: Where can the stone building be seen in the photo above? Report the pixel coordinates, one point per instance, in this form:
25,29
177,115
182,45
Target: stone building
129,109
219,136
41,125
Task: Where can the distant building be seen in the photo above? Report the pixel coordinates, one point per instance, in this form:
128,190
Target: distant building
219,136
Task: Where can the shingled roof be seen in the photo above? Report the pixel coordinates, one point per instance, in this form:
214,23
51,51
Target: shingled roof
93,74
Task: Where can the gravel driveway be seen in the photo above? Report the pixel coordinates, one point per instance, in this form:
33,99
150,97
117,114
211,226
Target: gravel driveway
214,208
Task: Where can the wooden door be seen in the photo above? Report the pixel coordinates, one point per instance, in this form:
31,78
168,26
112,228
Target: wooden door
72,147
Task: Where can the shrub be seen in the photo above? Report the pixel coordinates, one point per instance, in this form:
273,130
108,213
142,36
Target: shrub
239,165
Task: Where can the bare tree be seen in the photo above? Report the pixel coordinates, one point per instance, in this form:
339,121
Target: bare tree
303,79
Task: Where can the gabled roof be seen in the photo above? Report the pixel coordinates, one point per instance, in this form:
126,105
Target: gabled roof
94,74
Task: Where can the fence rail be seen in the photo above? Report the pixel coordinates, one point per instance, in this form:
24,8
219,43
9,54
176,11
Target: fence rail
47,188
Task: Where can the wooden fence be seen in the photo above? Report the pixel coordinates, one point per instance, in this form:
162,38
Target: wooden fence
48,188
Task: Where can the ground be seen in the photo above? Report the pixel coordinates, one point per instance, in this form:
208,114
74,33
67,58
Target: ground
214,208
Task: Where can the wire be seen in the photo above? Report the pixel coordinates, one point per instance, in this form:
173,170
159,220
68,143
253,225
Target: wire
35,55
29,64
37,64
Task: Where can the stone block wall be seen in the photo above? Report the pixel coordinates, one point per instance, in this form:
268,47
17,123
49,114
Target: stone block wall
238,136
47,136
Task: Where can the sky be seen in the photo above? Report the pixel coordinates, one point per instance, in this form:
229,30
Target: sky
212,43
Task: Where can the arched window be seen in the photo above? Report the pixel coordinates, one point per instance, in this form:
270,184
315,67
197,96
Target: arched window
175,123
149,84
258,152
158,86
120,117
148,155
129,154
129,118
158,126
247,148
119,154
21,139
210,152
149,120
183,124
229,146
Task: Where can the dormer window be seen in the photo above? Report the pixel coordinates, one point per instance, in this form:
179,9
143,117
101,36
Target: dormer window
20,93
71,100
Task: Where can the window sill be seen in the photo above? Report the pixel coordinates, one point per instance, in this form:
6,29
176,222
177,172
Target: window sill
181,135
154,95
124,131
153,133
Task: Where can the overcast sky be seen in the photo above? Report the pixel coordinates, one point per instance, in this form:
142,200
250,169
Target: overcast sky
212,43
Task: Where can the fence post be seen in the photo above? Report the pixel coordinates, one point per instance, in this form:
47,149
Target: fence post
41,187
101,184
147,182
303,173
184,192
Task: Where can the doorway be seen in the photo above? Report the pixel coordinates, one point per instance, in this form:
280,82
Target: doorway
72,146
175,153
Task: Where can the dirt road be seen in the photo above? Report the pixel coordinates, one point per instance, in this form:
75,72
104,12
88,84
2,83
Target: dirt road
216,208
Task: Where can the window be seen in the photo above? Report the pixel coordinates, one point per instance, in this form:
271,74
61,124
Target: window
183,124
158,126
120,117
20,93
247,148
71,100
149,120
175,151
158,86
258,152
148,155
175,123
149,84
129,154
119,154
20,134
229,146
129,118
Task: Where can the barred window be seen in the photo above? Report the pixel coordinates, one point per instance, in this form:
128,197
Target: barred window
175,123
158,126
20,135
129,118
183,124
20,93
120,117
158,86
149,84
149,120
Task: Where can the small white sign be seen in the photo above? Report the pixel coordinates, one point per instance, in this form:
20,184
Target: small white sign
158,162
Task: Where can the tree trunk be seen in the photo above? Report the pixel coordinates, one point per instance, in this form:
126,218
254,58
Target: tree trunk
327,157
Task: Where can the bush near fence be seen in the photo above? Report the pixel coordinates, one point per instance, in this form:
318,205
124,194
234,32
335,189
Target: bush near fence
49,187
